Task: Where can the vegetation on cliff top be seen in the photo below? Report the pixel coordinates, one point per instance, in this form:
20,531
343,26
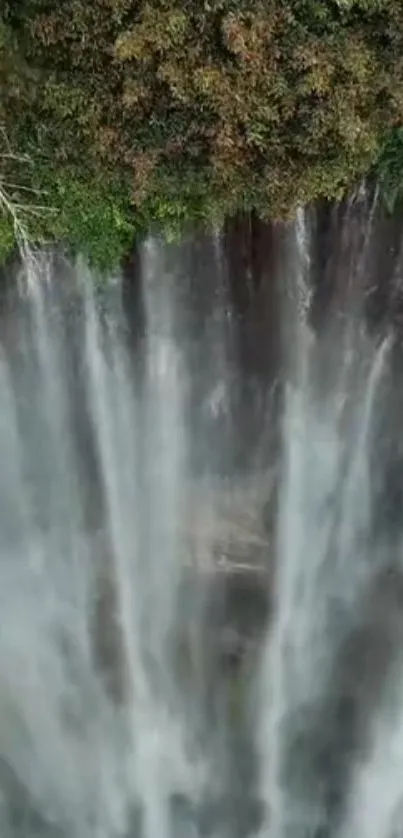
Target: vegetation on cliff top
119,114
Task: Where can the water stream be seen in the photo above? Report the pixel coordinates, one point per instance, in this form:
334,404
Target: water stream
131,703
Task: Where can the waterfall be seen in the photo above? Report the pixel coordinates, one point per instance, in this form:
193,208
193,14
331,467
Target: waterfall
106,752
108,548
190,647
315,724
324,564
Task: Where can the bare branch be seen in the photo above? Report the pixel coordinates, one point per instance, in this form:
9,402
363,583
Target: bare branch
10,205
22,188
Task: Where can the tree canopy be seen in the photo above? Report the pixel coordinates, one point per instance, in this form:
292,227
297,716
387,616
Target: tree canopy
121,114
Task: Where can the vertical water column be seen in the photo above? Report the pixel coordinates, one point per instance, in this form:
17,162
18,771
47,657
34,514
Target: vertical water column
324,557
167,767
57,737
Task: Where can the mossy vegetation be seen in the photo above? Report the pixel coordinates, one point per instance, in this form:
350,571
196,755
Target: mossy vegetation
129,113
389,169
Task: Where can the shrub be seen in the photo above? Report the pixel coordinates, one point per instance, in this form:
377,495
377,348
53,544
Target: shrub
389,169
183,111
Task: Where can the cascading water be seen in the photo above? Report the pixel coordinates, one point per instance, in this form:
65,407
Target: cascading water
92,725
120,712
329,733
327,559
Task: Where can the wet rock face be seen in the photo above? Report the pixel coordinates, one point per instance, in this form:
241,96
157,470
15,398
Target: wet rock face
107,641
237,613
356,254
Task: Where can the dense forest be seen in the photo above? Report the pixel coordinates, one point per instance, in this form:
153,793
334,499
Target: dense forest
120,115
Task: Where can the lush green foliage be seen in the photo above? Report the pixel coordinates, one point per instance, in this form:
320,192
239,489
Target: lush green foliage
389,169
7,238
135,112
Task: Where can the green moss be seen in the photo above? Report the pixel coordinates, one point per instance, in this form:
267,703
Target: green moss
389,169
7,237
